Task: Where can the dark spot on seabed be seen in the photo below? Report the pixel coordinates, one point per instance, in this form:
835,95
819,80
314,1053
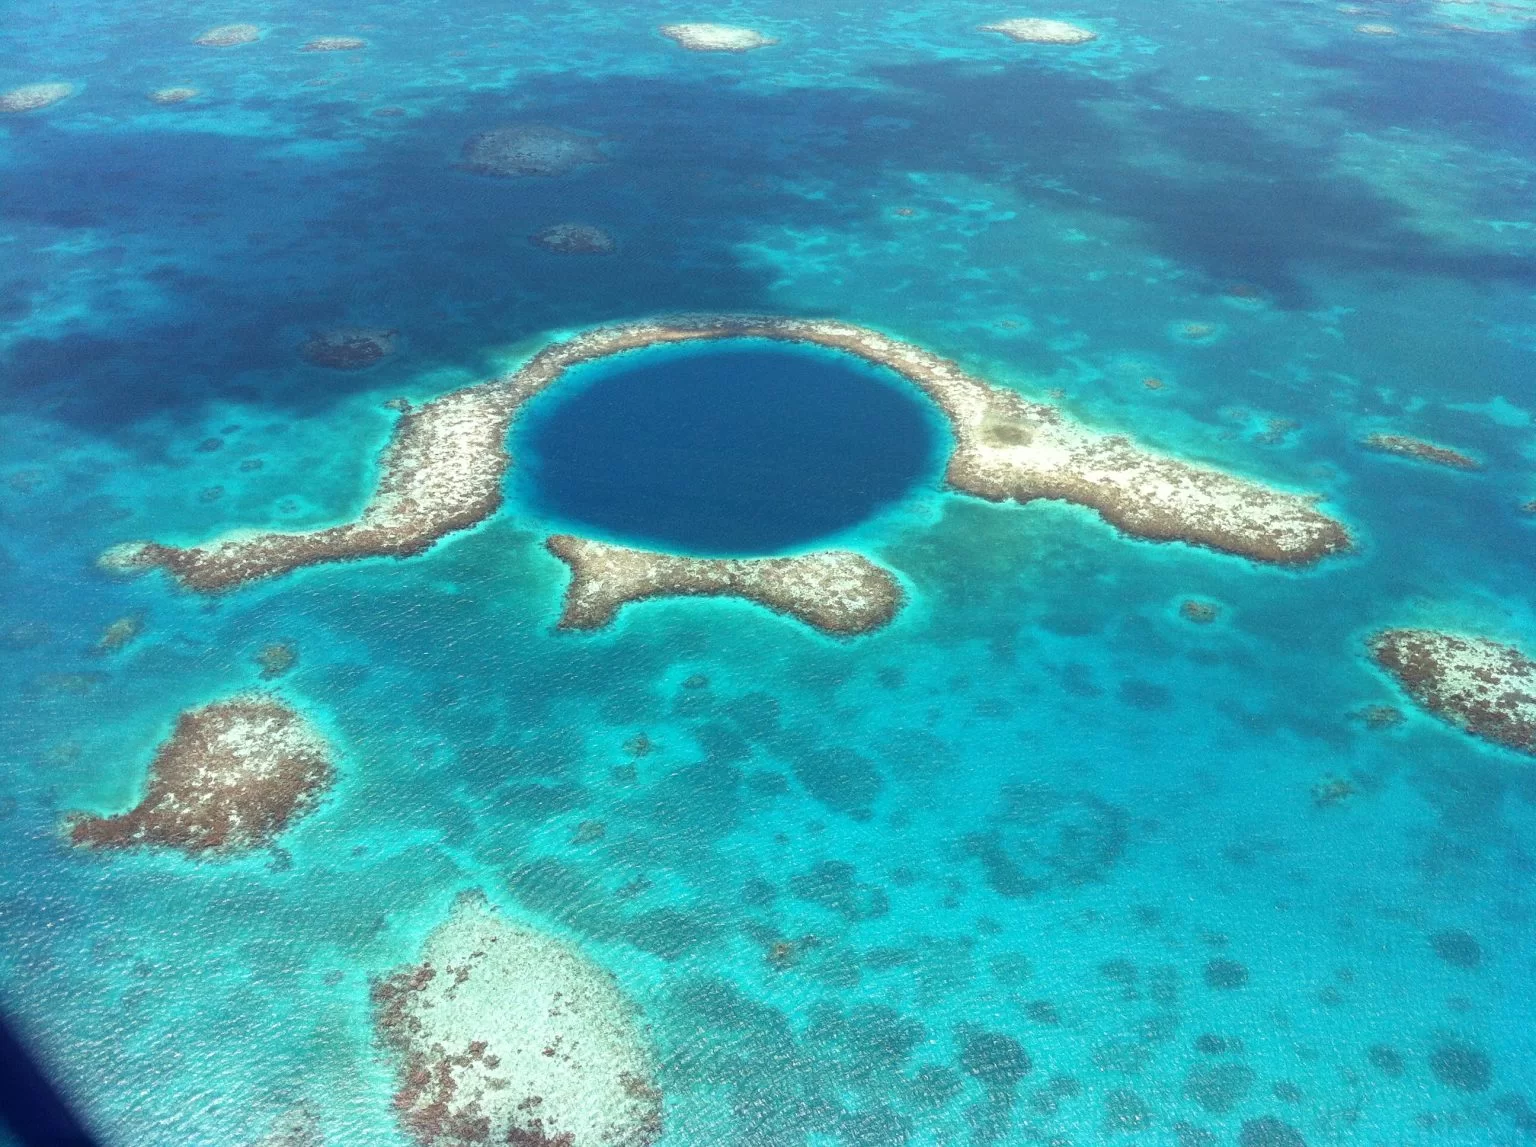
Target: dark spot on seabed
1457,948
1219,1087
1461,1066
1043,838
1225,975
1269,1132
995,1060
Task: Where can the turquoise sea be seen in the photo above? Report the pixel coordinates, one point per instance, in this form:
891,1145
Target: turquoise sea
1057,865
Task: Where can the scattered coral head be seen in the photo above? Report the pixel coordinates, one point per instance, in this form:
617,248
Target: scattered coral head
1037,31
229,35
716,37
31,97
530,149
349,348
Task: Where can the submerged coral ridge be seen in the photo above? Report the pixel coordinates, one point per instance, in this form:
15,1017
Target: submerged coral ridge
835,591
1486,688
505,1035
442,472
231,777
1417,448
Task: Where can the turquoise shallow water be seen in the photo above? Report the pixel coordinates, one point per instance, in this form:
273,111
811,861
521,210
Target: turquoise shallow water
1023,820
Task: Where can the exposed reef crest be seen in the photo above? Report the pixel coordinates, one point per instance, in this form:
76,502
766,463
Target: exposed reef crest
1033,30
716,37
1420,450
836,591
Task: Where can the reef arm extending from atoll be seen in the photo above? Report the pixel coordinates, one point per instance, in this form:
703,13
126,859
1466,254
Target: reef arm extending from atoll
440,472
443,469
231,777
505,1035
1486,688
836,591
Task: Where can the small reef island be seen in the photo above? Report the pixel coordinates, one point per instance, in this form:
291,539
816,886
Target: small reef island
231,777
33,97
836,591
1032,30
442,472
505,1035
716,37
1479,685
1420,451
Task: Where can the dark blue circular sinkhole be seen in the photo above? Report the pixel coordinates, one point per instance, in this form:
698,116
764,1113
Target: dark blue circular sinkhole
725,448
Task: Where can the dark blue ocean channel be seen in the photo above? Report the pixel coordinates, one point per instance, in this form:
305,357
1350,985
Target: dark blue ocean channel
736,448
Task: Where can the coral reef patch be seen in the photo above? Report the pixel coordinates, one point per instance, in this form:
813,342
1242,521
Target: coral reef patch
836,591
1032,30
32,97
334,44
231,777
349,348
1481,686
574,239
716,37
505,1035
1420,450
529,149
167,96
229,35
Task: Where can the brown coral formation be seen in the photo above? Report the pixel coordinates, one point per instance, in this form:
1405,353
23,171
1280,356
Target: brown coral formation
716,37
168,96
349,348
1479,685
835,591
31,97
505,1035
1200,612
442,470
530,149
1420,450
334,44
1037,31
232,776
574,239
119,634
229,35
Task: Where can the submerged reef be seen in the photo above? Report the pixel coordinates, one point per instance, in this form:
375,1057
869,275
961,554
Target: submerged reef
716,37
232,776
505,1035
835,591
334,44
574,239
442,470
31,97
529,149
1417,448
228,35
1481,686
172,95
1037,31
348,348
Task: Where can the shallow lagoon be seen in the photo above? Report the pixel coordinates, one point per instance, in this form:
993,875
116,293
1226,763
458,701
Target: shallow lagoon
1343,218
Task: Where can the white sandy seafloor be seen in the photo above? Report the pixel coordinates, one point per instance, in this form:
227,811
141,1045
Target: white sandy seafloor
1053,218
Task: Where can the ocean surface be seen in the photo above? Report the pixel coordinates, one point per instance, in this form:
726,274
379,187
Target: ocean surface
1056,864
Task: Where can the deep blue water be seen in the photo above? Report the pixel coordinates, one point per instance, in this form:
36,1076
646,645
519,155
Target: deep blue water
725,449
1019,822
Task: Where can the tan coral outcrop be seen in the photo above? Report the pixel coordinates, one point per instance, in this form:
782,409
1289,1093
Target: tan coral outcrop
1479,685
503,1034
836,591
231,777
33,97
1420,450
